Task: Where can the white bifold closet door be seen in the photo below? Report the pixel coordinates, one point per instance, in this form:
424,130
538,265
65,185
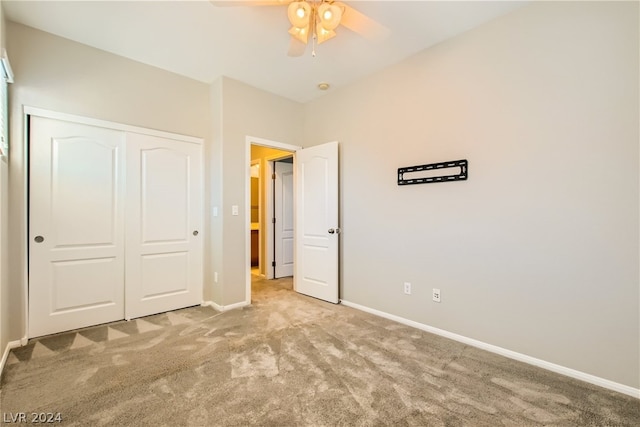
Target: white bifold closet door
113,217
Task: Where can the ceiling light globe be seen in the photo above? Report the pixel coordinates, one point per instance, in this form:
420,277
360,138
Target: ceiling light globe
324,35
330,16
299,13
301,34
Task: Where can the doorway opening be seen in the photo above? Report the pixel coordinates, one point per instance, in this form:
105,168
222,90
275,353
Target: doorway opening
281,227
256,210
267,160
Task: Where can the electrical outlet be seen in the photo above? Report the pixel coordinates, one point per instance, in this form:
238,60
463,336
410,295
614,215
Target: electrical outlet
407,288
436,295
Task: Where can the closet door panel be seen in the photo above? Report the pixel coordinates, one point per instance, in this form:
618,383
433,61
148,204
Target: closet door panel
76,226
165,195
164,210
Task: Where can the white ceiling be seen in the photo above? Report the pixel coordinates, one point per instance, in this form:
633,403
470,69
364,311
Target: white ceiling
249,43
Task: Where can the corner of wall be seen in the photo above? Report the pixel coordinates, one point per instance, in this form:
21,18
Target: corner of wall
213,199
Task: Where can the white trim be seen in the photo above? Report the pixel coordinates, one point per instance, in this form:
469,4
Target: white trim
223,308
25,229
247,222
592,379
249,207
252,140
10,346
272,144
210,304
269,232
39,112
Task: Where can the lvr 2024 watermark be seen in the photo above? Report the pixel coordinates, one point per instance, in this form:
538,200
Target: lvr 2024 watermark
31,417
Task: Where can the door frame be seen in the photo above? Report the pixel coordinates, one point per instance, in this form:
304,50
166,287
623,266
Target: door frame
27,112
249,141
270,255
260,201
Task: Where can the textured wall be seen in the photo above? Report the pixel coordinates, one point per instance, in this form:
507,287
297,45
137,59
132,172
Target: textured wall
245,111
57,74
538,251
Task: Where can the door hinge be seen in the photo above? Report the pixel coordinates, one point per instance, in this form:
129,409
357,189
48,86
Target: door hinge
273,175
273,220
273,263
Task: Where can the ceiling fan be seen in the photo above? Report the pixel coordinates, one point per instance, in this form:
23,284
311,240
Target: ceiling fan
318,20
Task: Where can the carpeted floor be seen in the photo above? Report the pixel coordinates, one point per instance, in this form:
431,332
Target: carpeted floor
289,360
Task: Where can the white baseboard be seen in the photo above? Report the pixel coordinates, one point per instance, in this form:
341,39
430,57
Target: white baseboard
10,345
592,379
223,308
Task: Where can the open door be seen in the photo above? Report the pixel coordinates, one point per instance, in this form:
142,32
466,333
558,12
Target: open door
283,204
317,229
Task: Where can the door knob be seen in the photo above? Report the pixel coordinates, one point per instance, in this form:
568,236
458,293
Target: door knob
331,231
195,232
39,239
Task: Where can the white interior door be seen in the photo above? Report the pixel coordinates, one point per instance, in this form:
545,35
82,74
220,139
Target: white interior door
316,226
76,226
164,212
284,219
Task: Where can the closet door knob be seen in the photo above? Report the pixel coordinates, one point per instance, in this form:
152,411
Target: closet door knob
195,232
39,239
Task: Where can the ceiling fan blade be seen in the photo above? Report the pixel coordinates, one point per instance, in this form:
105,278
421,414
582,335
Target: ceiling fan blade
296,47
362,24
231,3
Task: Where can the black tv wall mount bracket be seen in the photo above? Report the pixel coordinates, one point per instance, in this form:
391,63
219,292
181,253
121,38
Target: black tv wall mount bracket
443,172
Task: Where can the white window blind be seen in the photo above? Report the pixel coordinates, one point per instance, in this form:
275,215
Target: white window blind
6,76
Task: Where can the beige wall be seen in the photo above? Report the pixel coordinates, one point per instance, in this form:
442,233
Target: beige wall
57,74
213,199
538,251
245,111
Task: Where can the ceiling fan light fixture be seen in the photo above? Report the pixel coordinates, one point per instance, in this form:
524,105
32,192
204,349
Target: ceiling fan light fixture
301,34
323,35
299,13
329,16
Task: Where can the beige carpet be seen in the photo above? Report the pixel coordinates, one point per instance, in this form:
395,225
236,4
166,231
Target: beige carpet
290,360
